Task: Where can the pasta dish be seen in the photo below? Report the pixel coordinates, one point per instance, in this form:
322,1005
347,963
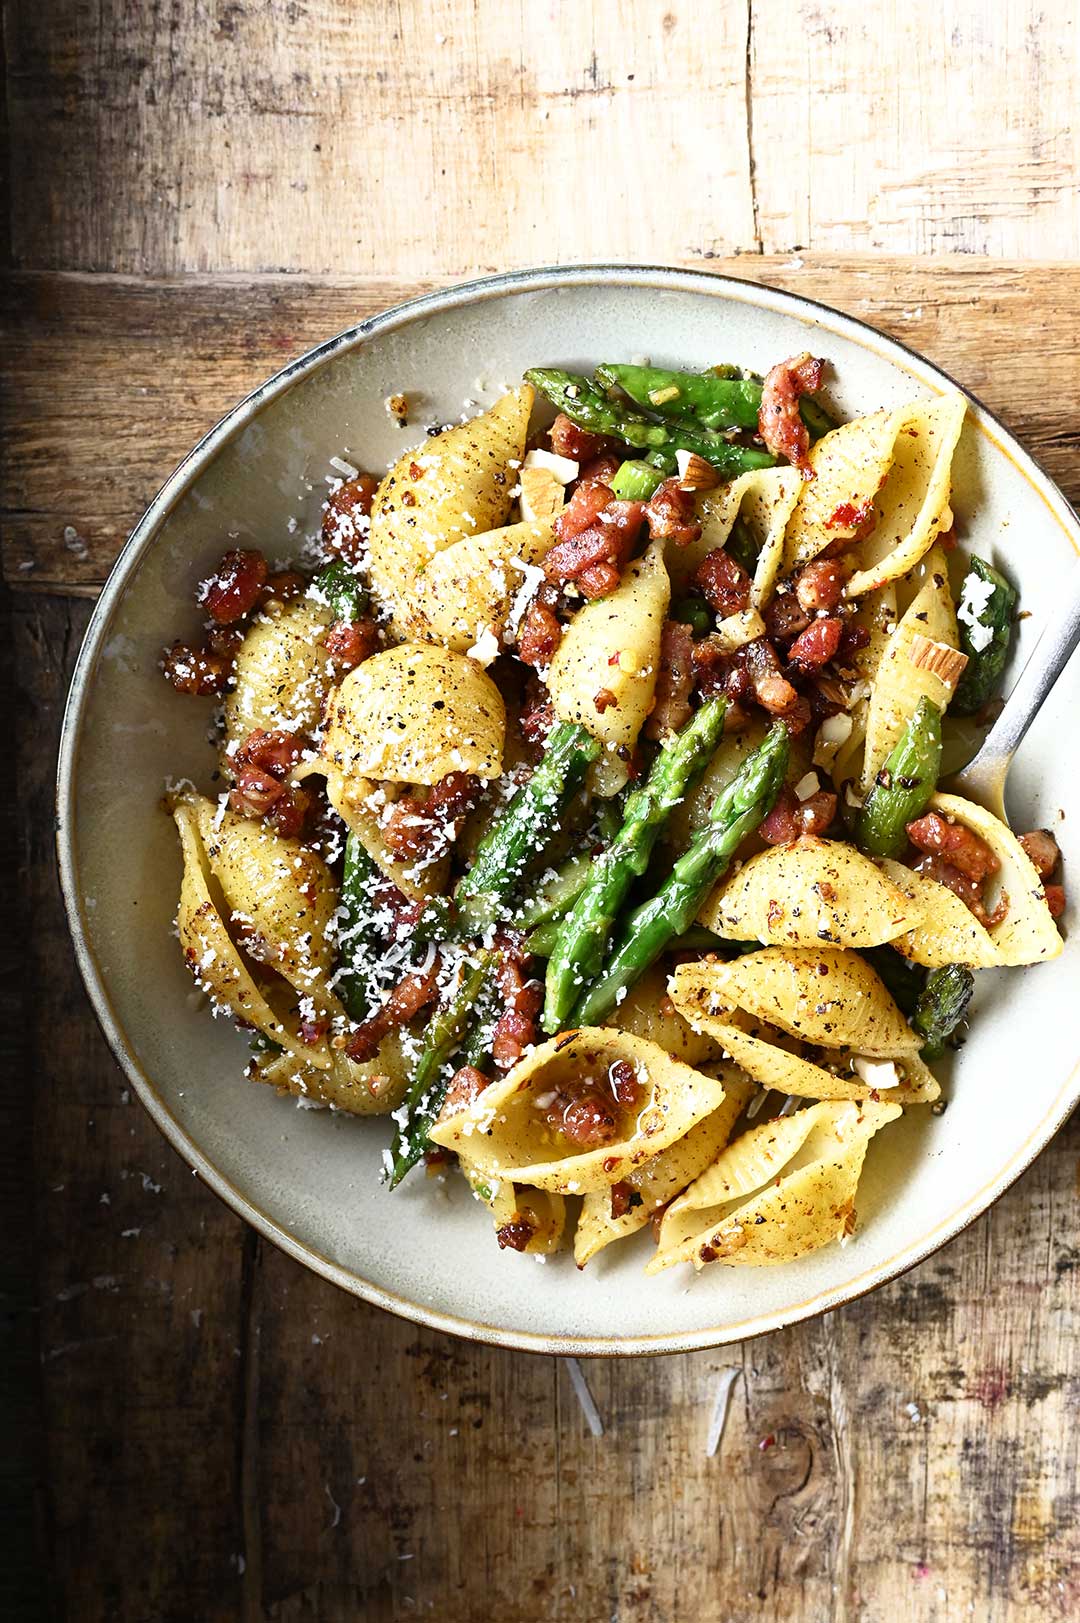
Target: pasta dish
577,804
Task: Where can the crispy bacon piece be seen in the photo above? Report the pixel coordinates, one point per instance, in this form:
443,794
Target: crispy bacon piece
596,535
820,585
622,1198
541,633
196,670
515,1029
669,513
515,1236
283,587
424,828
254,792
235,587
275,752
785,617
350,642
345,514
624,1084
585,1117
674,680
816,645
537,721
959,847
466,1084
969,890
1055,899
289,812
601,470
410,995
771,687
1043,849
723,582
790,817
567,439
261,765
779,423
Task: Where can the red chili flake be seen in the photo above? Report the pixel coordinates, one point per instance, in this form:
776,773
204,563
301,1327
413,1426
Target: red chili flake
767,1442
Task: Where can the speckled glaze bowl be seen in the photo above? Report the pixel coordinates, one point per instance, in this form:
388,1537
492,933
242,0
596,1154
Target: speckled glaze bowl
309,1180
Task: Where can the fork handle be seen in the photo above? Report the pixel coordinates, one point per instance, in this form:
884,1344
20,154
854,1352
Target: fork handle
1047,661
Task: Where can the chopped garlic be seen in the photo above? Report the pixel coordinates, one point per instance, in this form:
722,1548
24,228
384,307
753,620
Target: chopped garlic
486,646
876,1073
835,730
563,467
808,785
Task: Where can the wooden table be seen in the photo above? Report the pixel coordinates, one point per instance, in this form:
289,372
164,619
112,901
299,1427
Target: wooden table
198,1428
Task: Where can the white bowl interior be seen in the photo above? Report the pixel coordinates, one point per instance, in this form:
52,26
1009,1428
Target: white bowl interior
311,1178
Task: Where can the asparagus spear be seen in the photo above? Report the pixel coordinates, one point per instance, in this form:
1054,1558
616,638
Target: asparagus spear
738,810
904,785
357,929
346,595
552,898
582,940
431,1074
941,1006
526,823
986,642
702,397
636,481
577,399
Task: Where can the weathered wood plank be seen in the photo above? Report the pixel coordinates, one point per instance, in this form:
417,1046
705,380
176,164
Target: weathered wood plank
330,136
108,382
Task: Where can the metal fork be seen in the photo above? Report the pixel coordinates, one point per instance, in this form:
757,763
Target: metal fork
983,779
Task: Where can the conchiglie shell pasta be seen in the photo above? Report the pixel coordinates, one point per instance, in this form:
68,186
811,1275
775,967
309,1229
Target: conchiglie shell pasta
897,463
214,958
612,646
371,1088
281,894
769,1057
454,485
808,893
413,714
763,499
777,1192
282,673
822,995
913,508
1026,935
473,586
898,683
647,1011
509,1203
504,1133
658,1181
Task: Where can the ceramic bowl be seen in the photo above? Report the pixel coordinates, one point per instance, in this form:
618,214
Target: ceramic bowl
309,1180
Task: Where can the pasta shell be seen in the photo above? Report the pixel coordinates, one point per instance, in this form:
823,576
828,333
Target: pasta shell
359,803
413,714
455,485
282,673
779,1191
808,893
764,499
767,1056
899,683
603,674
213,956
1026,935
474,585
510,1203
656,1182
374,1087
504,1132
647,1011
821,995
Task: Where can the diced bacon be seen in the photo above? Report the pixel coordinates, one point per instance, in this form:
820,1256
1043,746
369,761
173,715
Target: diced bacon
779,422
283,587
595,541
255,792
289,812
670,515
350,642
466,1084
425,828
1043,849
959,847
674,680
622,1199
624,1084
196,670
411,995
540,635
820,585
515,1029
1055,899
275,752
771,688
234,588
816,645
590,498
567,439
723,582
515,1236
785,617
601,470
586,1118
969,890
537,721
345,515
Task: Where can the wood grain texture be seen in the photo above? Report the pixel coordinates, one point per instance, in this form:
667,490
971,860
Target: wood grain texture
276,1450
330,135
107,382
